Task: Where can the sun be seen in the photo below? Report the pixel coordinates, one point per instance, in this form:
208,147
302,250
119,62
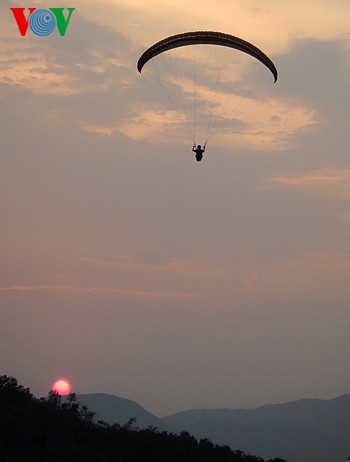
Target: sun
61,386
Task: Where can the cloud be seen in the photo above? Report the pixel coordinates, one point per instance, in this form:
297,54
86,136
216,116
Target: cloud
271,25
47,66
42,288
36,75
103,130
154,126
143,262
332,181
268,126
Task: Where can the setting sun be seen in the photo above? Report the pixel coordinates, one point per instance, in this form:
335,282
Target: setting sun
61,386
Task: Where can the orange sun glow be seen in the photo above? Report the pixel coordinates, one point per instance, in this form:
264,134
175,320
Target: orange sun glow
61,386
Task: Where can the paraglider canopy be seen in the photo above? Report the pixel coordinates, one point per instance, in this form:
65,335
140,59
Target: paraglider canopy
206,37
206,76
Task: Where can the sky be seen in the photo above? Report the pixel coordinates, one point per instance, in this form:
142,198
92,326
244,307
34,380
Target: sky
131,269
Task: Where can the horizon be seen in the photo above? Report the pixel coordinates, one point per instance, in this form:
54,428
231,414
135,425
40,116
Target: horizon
203,408
129,267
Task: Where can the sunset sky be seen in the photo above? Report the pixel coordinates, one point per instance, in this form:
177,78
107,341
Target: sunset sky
131,269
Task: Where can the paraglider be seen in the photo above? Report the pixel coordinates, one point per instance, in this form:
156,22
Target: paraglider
199,152
195,38
211,38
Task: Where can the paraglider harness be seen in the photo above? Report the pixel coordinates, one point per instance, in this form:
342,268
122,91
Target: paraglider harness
199,151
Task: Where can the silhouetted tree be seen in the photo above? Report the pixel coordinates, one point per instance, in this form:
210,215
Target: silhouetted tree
55,430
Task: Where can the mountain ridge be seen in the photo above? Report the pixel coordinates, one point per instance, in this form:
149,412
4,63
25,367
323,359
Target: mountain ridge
114,409
306,430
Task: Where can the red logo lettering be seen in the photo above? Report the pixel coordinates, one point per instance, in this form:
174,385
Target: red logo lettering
21,20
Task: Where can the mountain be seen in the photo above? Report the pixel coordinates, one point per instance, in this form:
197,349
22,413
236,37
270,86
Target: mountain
55,430
308,430
303,431
113,409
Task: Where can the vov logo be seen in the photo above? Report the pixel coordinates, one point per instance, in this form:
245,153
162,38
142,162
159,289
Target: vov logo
42,22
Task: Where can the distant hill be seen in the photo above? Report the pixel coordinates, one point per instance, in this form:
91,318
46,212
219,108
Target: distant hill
308,430
113,409
53,429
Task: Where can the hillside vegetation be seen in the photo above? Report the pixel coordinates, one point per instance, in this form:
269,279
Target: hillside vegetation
49,430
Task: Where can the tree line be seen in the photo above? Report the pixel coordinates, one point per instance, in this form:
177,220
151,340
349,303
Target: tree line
54,430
